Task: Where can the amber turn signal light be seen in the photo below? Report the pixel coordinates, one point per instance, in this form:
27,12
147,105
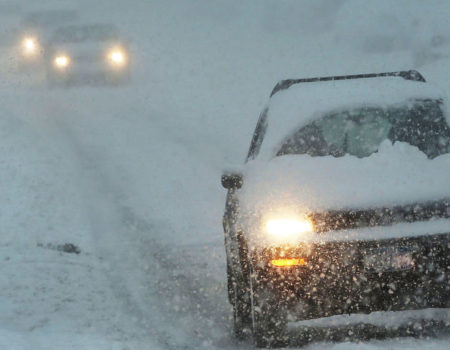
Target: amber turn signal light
288,262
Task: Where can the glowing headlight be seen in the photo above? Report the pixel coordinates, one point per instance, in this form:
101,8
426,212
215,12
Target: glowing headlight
117,57
289,227
61,61
29,46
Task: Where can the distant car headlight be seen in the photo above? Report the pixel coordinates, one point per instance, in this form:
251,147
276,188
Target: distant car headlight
289,227
117,57
29,46
61,61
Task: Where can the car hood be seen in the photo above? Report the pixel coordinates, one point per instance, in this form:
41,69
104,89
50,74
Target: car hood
396,175
397,179
84,48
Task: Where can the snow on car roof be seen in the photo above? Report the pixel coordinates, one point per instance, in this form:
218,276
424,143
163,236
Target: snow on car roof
294,107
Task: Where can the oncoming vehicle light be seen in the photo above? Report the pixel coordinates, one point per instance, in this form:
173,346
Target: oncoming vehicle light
288,262
62,61
117,57
288,227
29,45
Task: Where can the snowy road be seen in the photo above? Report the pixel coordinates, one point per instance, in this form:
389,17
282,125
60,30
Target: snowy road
131,176
172,299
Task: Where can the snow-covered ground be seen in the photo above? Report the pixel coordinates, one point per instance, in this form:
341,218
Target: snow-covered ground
130,175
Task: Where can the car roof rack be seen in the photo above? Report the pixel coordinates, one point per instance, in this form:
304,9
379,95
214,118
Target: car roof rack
407,74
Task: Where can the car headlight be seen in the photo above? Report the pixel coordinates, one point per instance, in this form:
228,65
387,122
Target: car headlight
117,57
289,227
61,61
29,46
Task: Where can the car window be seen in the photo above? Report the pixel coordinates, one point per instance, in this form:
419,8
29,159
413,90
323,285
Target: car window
360,131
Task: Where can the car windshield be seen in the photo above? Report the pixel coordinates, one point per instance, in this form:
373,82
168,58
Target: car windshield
51,18
360,131
85,33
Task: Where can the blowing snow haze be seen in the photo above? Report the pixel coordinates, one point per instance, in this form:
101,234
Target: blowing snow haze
114,138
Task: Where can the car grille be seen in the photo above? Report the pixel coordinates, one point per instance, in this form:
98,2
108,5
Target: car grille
87,58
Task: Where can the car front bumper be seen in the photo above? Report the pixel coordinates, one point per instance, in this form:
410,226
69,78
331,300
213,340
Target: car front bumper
88,72
339,277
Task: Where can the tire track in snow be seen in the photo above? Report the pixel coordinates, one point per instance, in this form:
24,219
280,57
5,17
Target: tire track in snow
162,284
165,291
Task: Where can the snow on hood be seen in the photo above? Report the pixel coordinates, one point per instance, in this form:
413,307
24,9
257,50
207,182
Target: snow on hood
396,174
300,184
301,103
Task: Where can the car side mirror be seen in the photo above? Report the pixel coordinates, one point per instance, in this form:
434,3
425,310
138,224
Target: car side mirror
232,181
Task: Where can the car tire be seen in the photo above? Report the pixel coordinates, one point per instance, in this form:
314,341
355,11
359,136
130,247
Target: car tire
242,316
54,81
230,285
269,316
116,80
239,298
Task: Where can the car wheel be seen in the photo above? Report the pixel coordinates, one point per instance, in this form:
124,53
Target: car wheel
230,285
117,79
54,81
241,311
269,315
239,297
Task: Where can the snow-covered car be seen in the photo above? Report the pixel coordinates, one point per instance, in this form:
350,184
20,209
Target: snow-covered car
87,53
342,205
34,31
